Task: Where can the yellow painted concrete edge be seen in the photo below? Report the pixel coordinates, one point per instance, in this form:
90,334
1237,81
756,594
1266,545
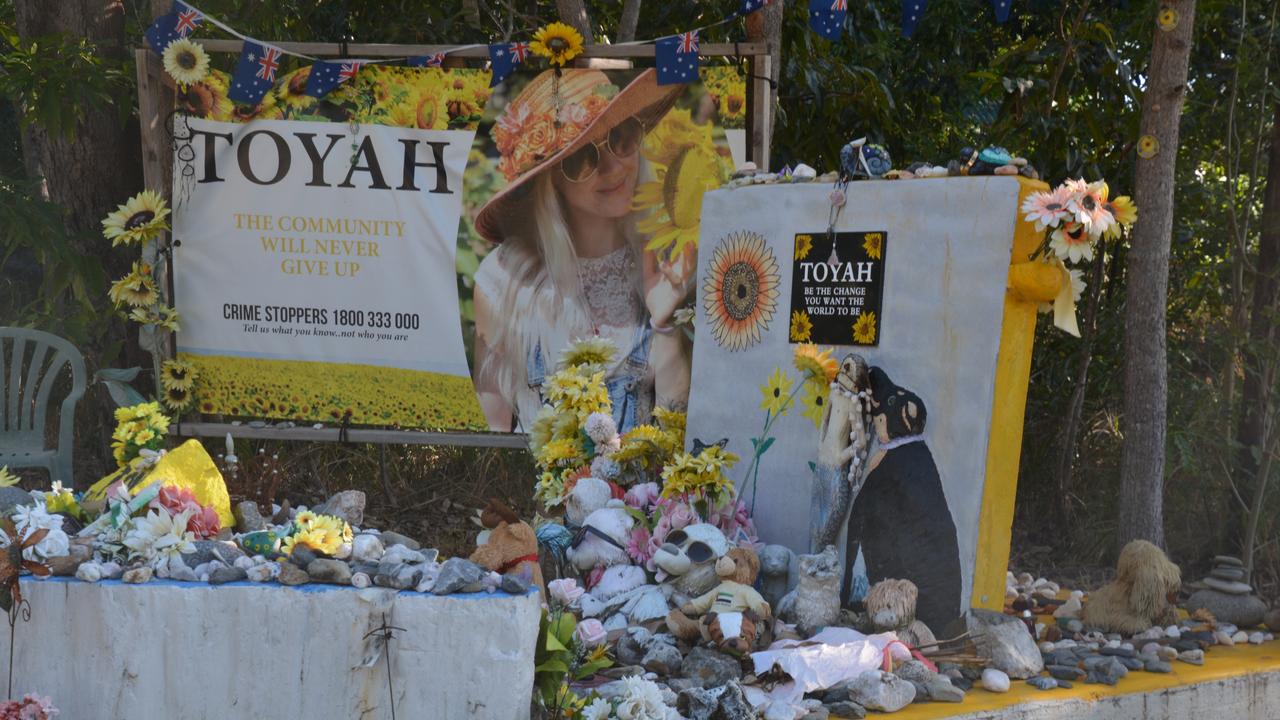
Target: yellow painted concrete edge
1004,446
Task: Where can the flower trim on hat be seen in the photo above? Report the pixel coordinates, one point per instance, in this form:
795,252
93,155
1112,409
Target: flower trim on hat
526,137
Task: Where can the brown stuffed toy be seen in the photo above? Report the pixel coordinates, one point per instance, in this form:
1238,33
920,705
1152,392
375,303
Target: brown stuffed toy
730,611
891,607
511,547
1142,595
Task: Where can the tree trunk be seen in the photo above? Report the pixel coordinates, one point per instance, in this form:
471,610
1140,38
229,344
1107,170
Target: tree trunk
574,14
1146,361
630,18
1075,411
88,174
765,25
1262,347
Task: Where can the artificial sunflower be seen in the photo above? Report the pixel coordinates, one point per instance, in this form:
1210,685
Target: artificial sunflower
741,290
801,326
776,393
804,245
815,365
177,374
137,289
557,42
873,243
1072,242
7,479
814,401
177,398
588,353
138,220
1125,212
186,61
159,315
1089,203
864,329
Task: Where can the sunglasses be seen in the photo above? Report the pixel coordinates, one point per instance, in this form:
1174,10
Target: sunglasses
585,530
697,551
622,141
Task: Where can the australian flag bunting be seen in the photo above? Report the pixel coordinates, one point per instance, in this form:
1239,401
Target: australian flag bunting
179,23
329,74
502,61
676,58
434,60
912,11
255,72
746,7
826,17
1002,9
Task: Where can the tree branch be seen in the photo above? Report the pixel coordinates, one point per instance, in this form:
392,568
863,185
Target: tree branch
630,18
574,14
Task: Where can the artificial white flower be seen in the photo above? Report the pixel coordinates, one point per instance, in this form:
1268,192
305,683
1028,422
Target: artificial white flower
599,709
27,519
160,536
642,700
601,428
186,61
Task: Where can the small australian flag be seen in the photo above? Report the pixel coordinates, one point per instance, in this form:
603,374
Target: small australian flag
502,61
826,17
746,7
434,60
255,72
912,11
677,58
1002,9
179,23
329,74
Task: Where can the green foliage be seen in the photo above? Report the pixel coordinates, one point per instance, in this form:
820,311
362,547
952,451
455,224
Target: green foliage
55,77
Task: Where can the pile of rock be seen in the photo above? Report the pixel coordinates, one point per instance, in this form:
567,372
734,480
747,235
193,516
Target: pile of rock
1226,593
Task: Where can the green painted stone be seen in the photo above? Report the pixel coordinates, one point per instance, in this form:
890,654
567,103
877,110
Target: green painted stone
261,542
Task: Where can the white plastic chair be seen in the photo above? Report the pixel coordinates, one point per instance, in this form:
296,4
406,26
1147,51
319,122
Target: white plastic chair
31,362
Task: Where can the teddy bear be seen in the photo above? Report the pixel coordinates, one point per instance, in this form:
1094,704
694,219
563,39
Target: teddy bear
601,540
511,547
730,611
588,495
891,607
688,557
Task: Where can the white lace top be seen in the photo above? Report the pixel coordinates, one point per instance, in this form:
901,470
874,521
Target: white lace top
611,289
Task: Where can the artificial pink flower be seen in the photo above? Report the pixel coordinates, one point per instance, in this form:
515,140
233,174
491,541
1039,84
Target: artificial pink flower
590,633
564,591
638,545
643,496
174,498
1047,209
204,522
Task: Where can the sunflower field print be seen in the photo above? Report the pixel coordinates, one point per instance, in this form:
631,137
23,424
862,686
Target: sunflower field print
740,293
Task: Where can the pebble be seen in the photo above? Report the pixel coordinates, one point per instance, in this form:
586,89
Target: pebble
89,572
399,554
1131,663
360,580
347,505
1069,610
1065,672
845,709
1042,683
1192,657
1256,638
262,573
393,538
994,680
226,574
1222,638
1228,586
1172,631
513,585
244,562
1167,653
291,574
137,575
248,518
1117,651
1154,633
182,573
333,572
1227,560
1240,637
1155,665
302,555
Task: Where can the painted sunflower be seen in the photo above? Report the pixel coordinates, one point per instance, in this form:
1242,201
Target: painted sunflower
873,243
776,393
741,290
801,326
177,374
557,42
814,400
291,93
186,61
864,329
137,289
804,245
138,220
814,364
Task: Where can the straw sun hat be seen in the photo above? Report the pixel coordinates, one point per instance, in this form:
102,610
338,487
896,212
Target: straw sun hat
530,139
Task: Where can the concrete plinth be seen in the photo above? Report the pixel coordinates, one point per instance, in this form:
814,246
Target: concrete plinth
184,651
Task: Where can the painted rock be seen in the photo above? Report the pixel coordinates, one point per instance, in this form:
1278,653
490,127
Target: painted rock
262,542
995,155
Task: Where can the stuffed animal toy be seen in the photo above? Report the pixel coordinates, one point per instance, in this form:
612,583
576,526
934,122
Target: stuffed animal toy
900,518
588,495
731,599
815,603
778,565
891,607
511,548
689,556
601,540
1142,595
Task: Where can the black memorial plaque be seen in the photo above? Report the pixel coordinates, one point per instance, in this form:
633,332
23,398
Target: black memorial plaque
837,284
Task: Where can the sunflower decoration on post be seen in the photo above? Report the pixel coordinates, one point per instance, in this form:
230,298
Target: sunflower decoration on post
557,42
186,62
1075,217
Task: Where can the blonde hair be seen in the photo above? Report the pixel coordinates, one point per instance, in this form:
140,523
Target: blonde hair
544,299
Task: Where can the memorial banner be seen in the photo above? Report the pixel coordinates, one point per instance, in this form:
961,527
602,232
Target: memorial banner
416,248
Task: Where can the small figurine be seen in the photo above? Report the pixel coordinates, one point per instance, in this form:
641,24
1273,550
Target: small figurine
815,602
730,610
860,160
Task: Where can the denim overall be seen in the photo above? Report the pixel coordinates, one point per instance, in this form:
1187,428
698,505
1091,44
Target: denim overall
624,385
